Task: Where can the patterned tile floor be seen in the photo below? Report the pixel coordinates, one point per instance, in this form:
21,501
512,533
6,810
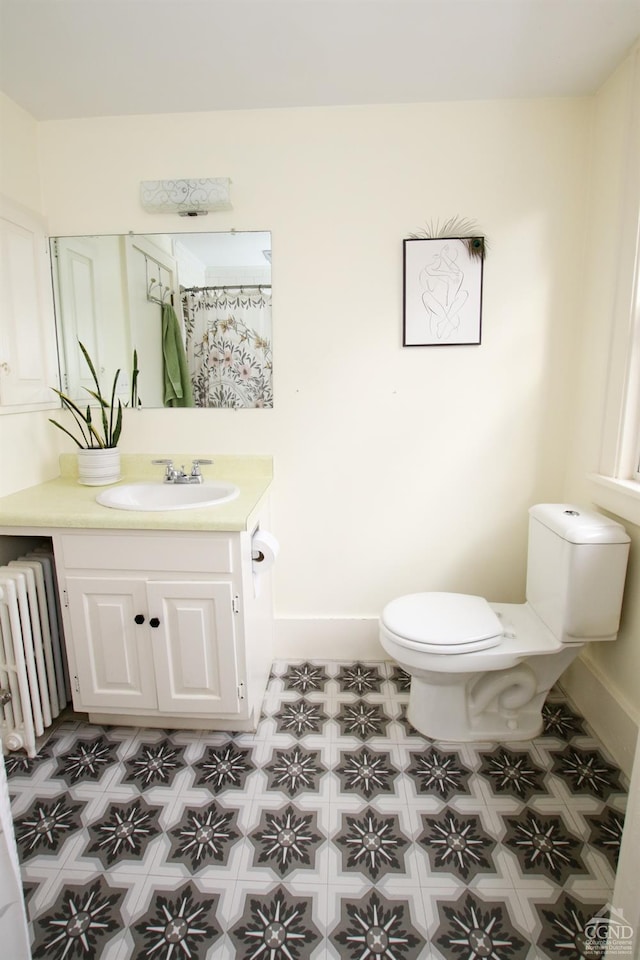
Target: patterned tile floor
335,831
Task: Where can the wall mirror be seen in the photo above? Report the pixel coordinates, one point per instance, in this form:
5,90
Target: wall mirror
196,307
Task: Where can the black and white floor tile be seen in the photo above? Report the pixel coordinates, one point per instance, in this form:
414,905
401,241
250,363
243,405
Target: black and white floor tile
334,832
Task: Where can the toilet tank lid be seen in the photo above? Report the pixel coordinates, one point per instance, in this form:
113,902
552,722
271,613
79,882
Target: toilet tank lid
577,525
443,619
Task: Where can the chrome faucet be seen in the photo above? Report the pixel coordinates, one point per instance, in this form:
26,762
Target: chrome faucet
172,475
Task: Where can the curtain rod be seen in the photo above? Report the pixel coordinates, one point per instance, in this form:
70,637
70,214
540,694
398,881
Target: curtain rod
228,286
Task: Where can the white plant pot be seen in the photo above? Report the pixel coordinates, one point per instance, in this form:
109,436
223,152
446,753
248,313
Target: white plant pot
98,467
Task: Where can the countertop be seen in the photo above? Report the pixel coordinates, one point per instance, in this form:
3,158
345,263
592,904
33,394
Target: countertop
65,503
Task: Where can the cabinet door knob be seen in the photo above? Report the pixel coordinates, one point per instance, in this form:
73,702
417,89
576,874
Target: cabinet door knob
139,618
154,622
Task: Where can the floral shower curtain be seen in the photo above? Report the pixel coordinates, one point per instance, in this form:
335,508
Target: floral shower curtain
228,341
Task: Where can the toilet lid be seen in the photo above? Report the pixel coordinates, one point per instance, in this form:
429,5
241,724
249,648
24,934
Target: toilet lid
451,622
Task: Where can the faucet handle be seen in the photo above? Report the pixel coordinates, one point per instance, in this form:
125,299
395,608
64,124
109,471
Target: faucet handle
195,467
168,474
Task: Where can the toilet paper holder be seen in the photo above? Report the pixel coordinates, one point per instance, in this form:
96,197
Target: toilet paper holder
257,556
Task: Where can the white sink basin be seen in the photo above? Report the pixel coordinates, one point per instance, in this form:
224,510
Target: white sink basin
167,496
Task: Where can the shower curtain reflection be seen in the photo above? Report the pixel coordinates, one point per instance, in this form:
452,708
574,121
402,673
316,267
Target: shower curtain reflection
228,342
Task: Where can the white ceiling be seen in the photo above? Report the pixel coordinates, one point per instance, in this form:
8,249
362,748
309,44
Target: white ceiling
86,58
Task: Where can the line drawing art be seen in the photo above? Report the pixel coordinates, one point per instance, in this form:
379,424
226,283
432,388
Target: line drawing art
442,293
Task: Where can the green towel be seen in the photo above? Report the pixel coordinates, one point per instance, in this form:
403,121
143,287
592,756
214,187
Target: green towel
177,383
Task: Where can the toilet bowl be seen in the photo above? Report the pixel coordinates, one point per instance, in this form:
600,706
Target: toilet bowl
482,671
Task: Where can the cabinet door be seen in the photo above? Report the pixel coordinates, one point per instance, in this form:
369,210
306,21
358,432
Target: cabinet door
194,646
112,652
28,367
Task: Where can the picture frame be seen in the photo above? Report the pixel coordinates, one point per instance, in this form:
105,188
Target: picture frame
442,291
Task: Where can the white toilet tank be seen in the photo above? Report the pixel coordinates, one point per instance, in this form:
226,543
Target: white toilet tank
577,561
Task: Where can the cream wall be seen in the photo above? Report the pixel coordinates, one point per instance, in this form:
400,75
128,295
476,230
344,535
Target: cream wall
19,165
396,469
606,680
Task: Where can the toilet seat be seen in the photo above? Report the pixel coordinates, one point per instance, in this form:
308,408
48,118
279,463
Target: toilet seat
444,623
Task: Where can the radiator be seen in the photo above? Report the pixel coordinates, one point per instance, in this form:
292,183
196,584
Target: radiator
32,655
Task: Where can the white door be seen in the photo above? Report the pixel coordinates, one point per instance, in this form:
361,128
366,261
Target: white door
77,272
194,647
111,642
92,311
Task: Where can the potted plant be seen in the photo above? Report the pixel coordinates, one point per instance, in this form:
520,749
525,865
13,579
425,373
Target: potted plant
97,433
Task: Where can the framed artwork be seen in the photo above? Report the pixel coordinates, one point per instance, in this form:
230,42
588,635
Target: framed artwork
442,292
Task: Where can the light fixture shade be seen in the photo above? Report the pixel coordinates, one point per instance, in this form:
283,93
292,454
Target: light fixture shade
189,198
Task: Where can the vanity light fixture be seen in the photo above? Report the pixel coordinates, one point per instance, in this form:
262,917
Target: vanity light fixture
188,198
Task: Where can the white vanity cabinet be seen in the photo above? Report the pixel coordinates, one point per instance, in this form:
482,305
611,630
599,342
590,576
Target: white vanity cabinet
164,629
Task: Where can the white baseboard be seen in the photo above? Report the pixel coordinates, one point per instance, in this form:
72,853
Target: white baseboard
604,710
327,638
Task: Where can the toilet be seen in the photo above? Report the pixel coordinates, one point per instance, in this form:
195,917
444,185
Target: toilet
482,671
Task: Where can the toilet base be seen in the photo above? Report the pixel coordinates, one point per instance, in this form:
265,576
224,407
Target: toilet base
445,712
